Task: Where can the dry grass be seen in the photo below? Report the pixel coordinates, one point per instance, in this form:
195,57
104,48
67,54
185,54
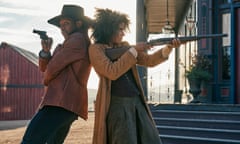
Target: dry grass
80,133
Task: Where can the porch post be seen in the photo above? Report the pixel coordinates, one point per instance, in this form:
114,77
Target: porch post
141,35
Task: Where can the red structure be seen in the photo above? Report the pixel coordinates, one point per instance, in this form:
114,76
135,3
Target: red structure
21,86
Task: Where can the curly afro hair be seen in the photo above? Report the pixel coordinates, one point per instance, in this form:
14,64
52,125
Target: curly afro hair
107,24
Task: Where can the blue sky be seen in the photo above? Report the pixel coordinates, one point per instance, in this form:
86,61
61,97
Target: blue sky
19,17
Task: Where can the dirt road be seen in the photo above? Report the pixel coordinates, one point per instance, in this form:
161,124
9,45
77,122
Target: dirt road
11,132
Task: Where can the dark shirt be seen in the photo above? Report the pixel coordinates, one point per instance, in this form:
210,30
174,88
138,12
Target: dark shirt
125,86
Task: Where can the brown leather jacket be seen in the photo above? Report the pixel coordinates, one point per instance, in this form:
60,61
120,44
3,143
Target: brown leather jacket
108,71
66,75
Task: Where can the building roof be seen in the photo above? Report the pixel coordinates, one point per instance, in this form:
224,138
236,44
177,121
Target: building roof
27,54
159,12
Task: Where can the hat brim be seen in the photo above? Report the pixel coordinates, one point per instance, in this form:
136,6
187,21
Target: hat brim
56,20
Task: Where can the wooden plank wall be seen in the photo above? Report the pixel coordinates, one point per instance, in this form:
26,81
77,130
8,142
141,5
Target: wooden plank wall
21,86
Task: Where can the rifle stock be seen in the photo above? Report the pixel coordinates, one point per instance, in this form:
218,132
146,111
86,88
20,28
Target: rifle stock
115,53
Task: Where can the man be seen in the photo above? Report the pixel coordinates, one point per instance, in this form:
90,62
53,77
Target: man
66,74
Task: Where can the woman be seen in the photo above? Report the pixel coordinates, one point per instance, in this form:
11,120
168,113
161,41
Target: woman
122,115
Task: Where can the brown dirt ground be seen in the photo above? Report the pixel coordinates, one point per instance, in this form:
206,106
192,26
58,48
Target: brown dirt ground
80,133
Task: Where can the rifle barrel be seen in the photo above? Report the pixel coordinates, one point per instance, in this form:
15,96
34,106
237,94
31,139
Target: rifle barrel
115,53
162,41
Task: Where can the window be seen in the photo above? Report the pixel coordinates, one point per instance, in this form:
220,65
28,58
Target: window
226,50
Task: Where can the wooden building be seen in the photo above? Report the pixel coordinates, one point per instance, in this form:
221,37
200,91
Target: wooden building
225,19
215,119
21,86
198,17
219,16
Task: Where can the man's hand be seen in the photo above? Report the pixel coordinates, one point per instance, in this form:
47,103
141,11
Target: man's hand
47,44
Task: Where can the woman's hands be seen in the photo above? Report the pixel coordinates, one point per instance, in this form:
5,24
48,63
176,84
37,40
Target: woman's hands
142,46
175,43
168,49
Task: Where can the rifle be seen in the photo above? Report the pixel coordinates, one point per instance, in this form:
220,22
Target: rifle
115,53
162,41
42,34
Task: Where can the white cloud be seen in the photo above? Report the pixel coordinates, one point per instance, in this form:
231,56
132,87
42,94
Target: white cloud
12,31
15,36
5,19
21,11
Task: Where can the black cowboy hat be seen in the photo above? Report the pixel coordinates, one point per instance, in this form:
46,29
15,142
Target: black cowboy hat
73,12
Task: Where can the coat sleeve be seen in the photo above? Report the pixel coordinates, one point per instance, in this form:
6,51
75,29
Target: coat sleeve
43,64
105,67
151,60
74,49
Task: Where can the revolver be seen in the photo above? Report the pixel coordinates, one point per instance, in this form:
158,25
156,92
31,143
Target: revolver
42,34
